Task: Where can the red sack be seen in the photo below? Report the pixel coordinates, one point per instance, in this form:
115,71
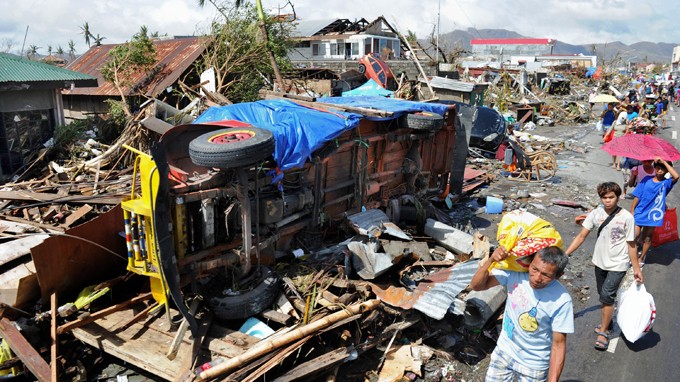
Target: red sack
609,136
668,231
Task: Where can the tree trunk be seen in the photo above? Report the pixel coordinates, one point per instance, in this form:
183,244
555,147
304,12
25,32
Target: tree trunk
270,53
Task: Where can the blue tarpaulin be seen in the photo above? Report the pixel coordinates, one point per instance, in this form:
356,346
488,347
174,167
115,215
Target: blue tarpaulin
298,130
370,88
398,107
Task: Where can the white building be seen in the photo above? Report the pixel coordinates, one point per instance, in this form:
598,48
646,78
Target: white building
342,39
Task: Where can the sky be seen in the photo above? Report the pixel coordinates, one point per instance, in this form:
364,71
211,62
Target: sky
55,22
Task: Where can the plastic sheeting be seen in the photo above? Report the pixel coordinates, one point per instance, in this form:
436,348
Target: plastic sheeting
298,130
398,107
370,88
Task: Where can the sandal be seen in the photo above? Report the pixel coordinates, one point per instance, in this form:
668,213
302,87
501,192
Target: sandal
602,345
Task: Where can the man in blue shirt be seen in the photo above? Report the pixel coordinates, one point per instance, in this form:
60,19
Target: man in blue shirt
538,316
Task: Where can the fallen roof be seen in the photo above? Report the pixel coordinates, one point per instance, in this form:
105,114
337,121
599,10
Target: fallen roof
17,73
173,57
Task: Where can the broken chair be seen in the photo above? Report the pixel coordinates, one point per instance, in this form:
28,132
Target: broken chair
533,166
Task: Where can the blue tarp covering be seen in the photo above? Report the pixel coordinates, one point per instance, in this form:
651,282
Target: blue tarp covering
298,130
398,107
370,88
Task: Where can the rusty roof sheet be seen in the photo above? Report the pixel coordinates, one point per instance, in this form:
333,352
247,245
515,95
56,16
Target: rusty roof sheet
173,57
435,294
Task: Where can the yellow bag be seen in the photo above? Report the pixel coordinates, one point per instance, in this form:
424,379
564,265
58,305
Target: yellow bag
522,234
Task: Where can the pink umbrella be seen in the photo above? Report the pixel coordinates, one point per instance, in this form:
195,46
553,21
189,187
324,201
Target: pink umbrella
641,147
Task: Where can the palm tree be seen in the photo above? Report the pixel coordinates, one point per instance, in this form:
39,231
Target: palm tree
60,51
85,31
71,49
32,51
98,40
49,50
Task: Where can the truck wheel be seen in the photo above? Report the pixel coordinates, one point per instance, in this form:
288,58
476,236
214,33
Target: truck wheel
248,303
229,148
423,121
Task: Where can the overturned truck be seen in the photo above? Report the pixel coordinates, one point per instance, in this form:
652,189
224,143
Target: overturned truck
220,199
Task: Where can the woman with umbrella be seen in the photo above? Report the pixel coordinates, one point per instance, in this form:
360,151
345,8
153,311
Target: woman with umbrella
649,204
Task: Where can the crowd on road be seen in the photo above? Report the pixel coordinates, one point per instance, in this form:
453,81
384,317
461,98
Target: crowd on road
538,312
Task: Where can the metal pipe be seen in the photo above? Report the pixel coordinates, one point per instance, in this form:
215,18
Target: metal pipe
242,196
128,236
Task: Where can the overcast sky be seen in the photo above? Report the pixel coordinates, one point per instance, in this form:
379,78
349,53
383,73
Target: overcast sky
55,22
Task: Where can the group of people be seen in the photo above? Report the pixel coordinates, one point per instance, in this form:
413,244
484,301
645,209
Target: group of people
539,311
630,116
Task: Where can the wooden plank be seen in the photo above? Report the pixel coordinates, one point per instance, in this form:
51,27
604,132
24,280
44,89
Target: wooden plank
102,313
7,226
19,285
278,317
142,344
55,339
79,213
145,344
26,353
28,196
17,248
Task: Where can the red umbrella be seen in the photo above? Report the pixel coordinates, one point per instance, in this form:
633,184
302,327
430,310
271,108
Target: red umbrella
641,147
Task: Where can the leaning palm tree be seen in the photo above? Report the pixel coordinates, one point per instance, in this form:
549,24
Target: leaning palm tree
85,31
265,36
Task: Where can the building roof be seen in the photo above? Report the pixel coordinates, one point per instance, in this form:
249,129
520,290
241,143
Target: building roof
336,27
512,41
17,73
173,57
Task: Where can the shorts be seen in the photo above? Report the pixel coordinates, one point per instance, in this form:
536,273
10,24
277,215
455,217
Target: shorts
503,368
608,283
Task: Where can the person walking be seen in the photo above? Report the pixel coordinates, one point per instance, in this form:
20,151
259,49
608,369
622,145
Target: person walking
614,251
538,316
649,202
607,118
620,128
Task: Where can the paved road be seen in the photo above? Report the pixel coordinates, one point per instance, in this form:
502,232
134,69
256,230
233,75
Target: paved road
653,357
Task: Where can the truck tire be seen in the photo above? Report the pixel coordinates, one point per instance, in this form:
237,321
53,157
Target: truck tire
230,148
248,303
423,120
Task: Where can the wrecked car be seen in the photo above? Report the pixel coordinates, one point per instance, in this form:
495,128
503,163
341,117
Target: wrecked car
376,69
219,199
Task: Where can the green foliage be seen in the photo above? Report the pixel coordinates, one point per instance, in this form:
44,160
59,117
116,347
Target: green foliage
239,55
128,58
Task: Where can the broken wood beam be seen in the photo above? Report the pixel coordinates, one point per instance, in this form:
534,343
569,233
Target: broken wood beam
318,364
102,313
264,93
26,353
333,107
41,197
279,341
54,349
174,346
278,317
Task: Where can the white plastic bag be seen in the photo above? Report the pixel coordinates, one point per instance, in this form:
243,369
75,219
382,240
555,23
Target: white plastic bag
599,127
636,313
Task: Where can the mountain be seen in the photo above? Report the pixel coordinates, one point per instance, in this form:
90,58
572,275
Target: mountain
645,51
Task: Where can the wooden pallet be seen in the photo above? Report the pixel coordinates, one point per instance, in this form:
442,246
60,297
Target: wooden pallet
144,344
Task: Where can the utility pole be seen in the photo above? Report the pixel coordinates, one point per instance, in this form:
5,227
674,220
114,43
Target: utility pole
24,43
439,6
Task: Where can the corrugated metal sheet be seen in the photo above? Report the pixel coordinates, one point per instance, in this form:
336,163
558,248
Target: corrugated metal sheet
173,57
15,69
435,294
450,84
308,28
